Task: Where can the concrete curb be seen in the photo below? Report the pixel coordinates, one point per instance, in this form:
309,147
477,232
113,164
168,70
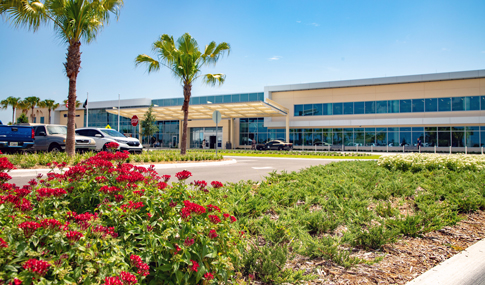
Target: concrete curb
35,172
464,268
300,158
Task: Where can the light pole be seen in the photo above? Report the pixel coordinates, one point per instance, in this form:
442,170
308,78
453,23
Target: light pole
119,105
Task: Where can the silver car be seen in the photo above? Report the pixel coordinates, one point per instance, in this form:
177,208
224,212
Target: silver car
105,136
49,137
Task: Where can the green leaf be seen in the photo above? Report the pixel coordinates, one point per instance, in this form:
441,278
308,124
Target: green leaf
11,268
165,267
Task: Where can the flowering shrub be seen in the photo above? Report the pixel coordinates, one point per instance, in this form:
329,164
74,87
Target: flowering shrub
106,221
417,162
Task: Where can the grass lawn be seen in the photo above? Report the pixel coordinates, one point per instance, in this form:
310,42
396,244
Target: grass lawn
329,212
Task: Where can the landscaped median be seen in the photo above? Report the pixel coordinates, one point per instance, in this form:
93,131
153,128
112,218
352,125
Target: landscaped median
294,154
106,221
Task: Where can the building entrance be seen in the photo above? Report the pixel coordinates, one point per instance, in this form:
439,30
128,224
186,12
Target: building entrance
208,135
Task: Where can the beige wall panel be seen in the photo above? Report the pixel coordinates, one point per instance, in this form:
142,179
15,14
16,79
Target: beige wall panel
354,90
79,120
281,95
354,97
408,87
399,95
452,92
482,86
453,84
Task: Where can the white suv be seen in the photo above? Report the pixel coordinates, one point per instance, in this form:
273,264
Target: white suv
104,136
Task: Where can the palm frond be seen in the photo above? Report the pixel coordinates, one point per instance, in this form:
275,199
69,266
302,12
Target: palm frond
152,64
214,79
24,13
218,53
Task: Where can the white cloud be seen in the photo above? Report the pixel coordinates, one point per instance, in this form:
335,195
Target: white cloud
298,22
445,49
315,24
276,57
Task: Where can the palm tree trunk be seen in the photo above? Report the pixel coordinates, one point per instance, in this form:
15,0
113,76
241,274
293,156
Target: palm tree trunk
13,115
49,115
185,108
72,65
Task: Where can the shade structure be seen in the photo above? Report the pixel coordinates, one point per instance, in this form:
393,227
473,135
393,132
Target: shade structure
267,108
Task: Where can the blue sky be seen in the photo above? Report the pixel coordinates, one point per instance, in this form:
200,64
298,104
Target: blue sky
272,43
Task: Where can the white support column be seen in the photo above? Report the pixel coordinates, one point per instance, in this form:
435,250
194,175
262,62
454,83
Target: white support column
231,132
287,128
181,124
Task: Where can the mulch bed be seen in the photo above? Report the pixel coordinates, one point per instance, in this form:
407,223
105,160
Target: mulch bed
402,261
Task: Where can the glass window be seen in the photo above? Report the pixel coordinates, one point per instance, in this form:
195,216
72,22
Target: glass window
359,107
244,97
308,137
405,138
348,137
359,138
405,106
317,109
444,129
337,137
219,99
327,109
370,107
381,137
337,108
482,103
327,136
393,106
472,103
444,139
457,138
406,129
40,129
235,98
227,99
253,96
370,138
393,138
431,105
458,104
308,110
418,129
416,136
472,137
203,100
418,105
41,120
298,110
482,138
195,101
430,137
349,108
381,107
260,97
444,104
261,128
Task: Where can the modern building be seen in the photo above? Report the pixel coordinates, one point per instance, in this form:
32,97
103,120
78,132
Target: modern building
446,111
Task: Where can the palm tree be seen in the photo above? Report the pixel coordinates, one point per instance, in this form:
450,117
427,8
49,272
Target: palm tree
185,60
77,103
24,106
32,102
73,21
11,101
50,105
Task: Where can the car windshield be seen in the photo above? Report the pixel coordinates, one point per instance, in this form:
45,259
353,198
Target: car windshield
113,133
57,130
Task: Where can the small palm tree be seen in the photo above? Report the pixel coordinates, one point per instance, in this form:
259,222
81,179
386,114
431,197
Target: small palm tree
32,102
73,21
77,103
23,106
50,105
13,102
185,60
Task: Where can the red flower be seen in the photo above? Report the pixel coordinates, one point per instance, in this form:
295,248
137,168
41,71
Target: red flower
182,175
29,228
195,265
172,204
51,224
201,184
188,241
3,243
233,219
214,219
216,184
128,278
39,267
162,185
73,236
211,208
16,281
112,145
112,281
165,178
118,198
177,249
109,189
226,216
212,234
208,276
136,261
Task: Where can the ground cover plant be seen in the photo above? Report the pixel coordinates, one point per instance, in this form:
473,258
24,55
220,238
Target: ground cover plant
331,211
43,159
105,221
317,154
417,162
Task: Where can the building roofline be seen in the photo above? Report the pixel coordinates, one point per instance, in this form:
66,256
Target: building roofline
471,74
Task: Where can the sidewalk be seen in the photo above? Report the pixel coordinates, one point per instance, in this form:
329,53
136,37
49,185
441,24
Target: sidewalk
465,268
34,172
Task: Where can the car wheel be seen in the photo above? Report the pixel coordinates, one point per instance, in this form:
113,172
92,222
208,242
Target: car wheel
54,148
280,148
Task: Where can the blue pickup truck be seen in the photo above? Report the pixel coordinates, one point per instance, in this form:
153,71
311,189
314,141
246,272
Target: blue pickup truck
15,138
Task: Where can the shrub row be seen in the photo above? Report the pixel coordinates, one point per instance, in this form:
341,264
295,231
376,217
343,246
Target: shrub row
417,162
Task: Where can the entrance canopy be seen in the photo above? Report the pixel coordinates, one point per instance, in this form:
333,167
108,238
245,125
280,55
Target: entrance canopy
267,108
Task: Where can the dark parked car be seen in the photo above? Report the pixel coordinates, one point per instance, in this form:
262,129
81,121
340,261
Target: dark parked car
14,138
275,145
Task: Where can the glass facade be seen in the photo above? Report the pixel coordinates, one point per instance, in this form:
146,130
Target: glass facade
209,134
470,103
253,128
215,99
99,118
168,134
471,136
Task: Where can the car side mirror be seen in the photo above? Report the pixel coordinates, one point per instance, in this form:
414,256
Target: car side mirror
42,134
98,135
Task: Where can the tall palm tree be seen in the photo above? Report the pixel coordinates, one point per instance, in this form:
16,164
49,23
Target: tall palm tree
77,103
13,102
185,60
73,21
23,106
50,105
32,102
